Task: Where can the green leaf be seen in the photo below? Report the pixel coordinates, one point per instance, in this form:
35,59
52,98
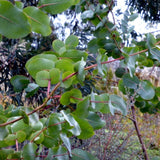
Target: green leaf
79,154
65,65
87,14
155,53
146,90
79,67
49,140
38,64
19,82
19,5
133,16
17,126
95,121
42,78
31,89
103,106
66,142
150,41
67,83
4,132
44,55
29,151
5,153
54,75
16,26
130,60
75,55
54,126
86,129
70,97
58,46
38,20
65,98
93,46
76,95
10,139
82,108
120,71
55,6
58,152
71,42
21,136
25,117
37,126
72,122
117,103
38,138
131,82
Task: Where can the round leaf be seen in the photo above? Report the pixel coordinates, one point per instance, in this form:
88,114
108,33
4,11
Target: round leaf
19,82
39,64
21,136
71,42
39,21
42,78
146,90
14,24
58,46
55,6
54,75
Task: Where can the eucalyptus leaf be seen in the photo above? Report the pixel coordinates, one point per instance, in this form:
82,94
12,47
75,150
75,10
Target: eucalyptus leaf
73,123
71,42
117,103
38,20
29,151
146,90
79,154
66,142
42,78
16,26
55,6
19,82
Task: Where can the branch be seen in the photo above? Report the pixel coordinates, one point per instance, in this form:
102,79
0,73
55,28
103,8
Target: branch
66,78
139,134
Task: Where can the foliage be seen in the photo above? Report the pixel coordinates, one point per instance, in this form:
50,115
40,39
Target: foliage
66,112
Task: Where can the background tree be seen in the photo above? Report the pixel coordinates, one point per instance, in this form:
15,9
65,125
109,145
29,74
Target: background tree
79,89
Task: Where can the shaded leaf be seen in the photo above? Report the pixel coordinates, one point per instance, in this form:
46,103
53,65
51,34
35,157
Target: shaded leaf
131,82
117,103
29,151
19,82
79,154
95,121
146,90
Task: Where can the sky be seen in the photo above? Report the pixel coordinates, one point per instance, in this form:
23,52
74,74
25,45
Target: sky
140,26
